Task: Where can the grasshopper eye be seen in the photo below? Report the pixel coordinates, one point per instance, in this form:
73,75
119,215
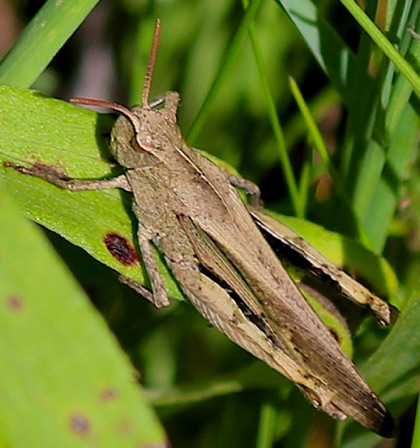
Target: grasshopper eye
144,142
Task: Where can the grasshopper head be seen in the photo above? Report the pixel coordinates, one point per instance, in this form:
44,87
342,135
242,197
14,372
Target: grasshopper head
140,133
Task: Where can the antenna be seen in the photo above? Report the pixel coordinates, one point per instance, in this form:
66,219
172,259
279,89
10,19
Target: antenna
107,104
146,87
150,66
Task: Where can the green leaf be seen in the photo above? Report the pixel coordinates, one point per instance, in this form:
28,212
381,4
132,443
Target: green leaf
64,381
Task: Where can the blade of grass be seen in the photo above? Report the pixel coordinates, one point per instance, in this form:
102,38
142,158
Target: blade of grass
227,61
383,43
267,425
416,434
297,202
330,51
365,157
40,41
387,147
295,129
325,156
384,197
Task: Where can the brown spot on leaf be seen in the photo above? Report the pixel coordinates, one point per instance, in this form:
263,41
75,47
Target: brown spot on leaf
108,395
14,303
79,424
125,426
120,248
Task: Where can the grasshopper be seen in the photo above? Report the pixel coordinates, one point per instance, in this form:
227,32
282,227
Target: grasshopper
189,209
